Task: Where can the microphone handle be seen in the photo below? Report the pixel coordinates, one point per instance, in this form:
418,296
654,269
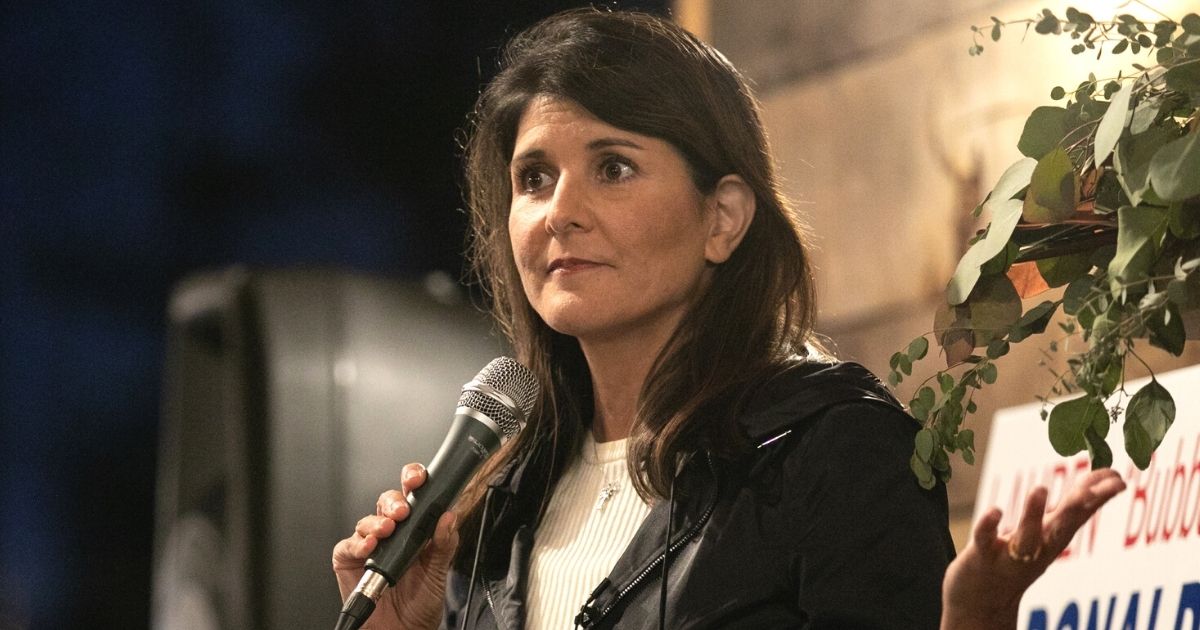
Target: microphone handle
471,439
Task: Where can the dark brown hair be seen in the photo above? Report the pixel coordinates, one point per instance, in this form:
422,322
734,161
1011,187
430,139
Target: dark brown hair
648,76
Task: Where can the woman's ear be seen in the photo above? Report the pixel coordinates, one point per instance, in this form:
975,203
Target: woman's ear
732,206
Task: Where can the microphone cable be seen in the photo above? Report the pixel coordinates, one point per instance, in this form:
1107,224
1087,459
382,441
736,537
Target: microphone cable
487,505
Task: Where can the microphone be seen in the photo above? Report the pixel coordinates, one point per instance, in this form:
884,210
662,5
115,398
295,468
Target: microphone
492,408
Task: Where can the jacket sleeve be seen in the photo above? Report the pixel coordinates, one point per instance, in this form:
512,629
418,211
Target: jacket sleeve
871,545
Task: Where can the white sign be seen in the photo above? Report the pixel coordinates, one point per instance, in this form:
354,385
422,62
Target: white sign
1136,564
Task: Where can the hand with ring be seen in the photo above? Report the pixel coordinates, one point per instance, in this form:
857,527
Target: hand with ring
984,585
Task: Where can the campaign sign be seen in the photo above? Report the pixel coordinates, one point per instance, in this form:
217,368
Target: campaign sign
1136,564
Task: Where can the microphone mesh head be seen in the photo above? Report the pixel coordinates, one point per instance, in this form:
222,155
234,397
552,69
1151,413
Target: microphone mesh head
510,379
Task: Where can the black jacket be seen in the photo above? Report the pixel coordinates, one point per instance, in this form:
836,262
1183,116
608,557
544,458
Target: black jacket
823,525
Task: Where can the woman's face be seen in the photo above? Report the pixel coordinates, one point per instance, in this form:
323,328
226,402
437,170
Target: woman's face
608,230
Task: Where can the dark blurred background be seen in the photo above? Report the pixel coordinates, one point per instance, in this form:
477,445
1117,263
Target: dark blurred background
143,142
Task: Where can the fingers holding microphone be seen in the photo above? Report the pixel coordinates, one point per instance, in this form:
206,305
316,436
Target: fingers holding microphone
351,553
416,601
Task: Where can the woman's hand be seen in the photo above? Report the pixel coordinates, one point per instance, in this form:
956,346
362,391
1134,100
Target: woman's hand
416,600
984,585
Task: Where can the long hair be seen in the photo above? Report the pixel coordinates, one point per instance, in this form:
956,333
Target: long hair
646,75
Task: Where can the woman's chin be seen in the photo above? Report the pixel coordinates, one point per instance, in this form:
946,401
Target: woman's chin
577,326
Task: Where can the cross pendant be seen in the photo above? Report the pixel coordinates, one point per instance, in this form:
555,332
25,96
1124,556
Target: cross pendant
606,493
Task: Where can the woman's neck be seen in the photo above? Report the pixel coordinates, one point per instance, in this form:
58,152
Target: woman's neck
619,371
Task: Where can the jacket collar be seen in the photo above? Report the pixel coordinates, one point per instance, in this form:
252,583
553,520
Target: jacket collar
803,390
511,524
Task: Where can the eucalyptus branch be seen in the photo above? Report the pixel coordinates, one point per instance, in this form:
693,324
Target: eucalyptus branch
1136,118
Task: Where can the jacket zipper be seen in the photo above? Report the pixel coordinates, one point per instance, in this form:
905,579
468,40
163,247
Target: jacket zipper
687,537
487,595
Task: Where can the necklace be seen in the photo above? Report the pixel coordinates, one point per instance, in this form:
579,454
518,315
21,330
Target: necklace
608,487
606,492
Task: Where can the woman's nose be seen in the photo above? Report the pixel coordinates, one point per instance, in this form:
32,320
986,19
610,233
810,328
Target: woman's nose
568,209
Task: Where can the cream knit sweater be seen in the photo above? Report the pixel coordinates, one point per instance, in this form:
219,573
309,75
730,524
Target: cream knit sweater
593,514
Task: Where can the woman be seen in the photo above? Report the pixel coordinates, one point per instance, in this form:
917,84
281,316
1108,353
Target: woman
628,225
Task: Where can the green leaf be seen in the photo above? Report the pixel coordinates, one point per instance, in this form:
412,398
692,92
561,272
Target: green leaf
994,307
1150,413
894,361
1166,330
1053,189
1175,168
1102,326
945,382
1177,291
1184,77
1077,294
1057,93
952,326
1191,23
1098,450
1062,270
966,439
921,404
923,472
1001,262
1113,123
924,445
894,378
1185,292
1109,195
1005,213
1014,179
1070,419
1104,254
1046,25
940,461
967,273
971,407
1144,114
905,365
1184,220
1139,231
988,373
1133,156
1033,322
917,348
1043,130
926,396
997,348
1112,378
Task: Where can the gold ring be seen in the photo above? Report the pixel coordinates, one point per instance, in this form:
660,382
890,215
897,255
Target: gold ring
1025,558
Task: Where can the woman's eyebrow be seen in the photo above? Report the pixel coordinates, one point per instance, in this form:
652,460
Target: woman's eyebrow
532,154
594,145
604,143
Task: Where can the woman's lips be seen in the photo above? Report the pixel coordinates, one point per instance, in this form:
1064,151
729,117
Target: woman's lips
571,265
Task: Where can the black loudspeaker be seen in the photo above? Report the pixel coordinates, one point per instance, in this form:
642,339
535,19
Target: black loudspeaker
292,398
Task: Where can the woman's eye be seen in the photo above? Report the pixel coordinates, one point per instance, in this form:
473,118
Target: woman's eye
533,180
616,170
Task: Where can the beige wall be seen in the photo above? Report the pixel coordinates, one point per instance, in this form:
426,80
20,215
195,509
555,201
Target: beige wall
886,148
